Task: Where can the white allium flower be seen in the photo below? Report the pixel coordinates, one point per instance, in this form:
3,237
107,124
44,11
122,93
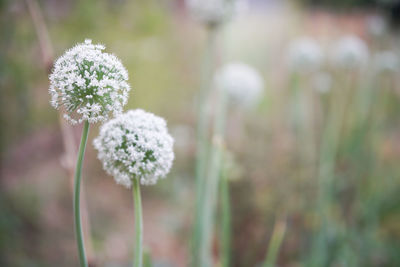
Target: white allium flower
243,84
386,61
135,145
376,25
88,84
305,55
350,52
215,11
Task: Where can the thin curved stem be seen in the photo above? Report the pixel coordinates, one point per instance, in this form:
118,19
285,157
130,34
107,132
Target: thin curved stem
201,142
77,189
225,222
138,261
211,184
326,171
275,242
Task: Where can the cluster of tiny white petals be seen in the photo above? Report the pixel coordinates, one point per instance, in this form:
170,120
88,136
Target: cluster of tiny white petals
215,11
350,52
88,84
135,145
243,84
305,55
386,61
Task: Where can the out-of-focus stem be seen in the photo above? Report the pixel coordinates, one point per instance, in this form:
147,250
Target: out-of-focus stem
211,183
275,242
326,171
70,150
225,222
43,35
138,261
201,142
77,190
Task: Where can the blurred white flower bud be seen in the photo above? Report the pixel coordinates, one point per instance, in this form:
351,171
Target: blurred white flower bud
376,25
135,145
88,84
386,61
243,84
350,52
305,55
213,12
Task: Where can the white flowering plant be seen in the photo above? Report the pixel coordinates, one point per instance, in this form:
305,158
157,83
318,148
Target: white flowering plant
88,84
135,145
386,62
305,55
350,52
214,12
242,83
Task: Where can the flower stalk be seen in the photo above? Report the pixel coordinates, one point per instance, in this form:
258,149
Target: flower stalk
275,243
225,221
326,171
211,183
138,261
76,202
201,142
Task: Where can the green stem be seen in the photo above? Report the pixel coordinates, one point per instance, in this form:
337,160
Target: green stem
201,142
225,222
77,189
211,184
138,224
326,172
275,243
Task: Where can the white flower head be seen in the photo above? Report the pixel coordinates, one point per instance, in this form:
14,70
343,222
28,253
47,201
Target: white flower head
88,84
214,12
386,61
350,52
305,55
377,25
135,145
243,84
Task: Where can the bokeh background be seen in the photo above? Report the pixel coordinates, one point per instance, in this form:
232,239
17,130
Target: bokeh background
267,147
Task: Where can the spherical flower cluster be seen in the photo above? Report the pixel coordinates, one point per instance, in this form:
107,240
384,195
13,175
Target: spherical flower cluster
242,83
213,12
88,84
350,52
376,25
305,55
135,145
386,61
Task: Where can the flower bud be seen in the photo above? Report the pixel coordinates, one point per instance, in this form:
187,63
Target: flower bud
350,53
243,84
305,55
